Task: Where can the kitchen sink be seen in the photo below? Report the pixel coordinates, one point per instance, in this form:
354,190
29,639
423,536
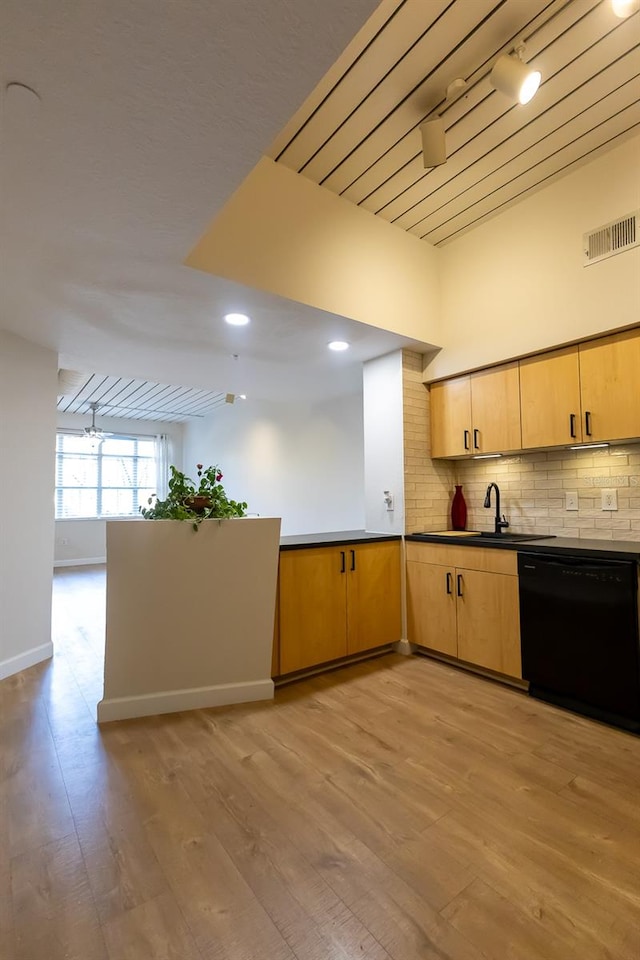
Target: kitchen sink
515,537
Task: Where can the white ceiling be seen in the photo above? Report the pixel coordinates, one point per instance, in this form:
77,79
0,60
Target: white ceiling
358,134
147,116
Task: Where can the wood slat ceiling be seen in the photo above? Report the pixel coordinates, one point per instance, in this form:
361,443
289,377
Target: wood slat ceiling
140,400
357,134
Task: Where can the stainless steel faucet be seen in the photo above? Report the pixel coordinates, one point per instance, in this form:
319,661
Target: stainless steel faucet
500,523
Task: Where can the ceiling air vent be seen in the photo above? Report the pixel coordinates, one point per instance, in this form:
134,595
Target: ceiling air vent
612,238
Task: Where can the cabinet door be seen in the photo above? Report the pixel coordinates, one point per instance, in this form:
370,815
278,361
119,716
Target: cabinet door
451,417
610,387
431,610
312,607
374,612
550,399
495,408
489,621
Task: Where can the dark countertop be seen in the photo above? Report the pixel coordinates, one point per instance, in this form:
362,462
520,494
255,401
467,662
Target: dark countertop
301,540
559,546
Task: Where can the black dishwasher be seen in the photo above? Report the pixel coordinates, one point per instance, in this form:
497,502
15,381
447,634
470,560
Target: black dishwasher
579,631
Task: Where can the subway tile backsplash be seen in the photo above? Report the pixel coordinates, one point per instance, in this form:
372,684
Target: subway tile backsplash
533,488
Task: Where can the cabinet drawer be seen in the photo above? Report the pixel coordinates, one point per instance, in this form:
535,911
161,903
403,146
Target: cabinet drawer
471,558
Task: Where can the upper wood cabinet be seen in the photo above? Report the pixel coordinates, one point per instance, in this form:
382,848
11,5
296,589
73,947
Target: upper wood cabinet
587,393
610,387
583,394
451,417
478,413
550,399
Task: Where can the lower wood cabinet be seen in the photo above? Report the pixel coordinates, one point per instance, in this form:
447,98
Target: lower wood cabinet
337,600
463,601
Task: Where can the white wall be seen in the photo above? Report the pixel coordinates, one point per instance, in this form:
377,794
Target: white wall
283,233
28,383
383,443
84,541
303,463
517,285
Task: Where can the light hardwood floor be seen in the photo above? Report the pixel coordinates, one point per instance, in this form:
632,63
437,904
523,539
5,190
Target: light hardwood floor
395,809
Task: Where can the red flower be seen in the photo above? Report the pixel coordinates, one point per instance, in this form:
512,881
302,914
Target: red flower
199,466
218,477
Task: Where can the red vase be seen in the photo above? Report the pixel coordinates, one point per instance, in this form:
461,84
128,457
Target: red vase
458,510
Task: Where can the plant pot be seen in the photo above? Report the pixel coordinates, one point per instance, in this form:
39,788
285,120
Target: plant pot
198,504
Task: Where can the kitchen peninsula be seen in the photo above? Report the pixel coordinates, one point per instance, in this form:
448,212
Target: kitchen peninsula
339,597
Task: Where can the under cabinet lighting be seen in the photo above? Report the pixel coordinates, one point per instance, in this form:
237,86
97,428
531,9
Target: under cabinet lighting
587,446
486,456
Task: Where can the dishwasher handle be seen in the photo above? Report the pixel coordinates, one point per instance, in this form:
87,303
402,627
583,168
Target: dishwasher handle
527,560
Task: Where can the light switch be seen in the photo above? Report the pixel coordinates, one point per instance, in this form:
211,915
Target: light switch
571,500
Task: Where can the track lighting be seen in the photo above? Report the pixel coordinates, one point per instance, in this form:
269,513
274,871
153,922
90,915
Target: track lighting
434,147
513,77
624,8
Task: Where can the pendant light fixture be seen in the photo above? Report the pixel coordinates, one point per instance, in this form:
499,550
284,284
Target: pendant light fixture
93,432
513,77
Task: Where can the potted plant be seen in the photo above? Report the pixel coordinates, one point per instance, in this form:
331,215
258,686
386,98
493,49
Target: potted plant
194,501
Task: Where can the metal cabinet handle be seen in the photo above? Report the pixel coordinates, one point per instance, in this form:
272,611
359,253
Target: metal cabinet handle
344,564
572,425
476,445
449,582
467,438
459,584
587,422
353,559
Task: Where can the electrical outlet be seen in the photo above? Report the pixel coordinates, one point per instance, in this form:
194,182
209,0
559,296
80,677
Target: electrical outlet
65,541
388,499
571,500
610,499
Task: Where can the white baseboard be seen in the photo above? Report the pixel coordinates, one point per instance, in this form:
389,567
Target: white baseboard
172,701
404,647
84,562
25,660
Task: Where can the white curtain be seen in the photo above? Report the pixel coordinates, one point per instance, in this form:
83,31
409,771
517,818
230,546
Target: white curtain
162,465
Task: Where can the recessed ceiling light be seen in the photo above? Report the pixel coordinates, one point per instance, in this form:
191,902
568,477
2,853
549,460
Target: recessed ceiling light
236,319
242,396
338,345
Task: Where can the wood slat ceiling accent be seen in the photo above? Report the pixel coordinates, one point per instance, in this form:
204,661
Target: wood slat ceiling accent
133,399
357,134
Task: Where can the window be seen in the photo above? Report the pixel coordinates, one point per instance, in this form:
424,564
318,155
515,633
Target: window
108,478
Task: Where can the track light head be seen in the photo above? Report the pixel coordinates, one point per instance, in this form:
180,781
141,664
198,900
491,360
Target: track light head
624,8
434,147
514,78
